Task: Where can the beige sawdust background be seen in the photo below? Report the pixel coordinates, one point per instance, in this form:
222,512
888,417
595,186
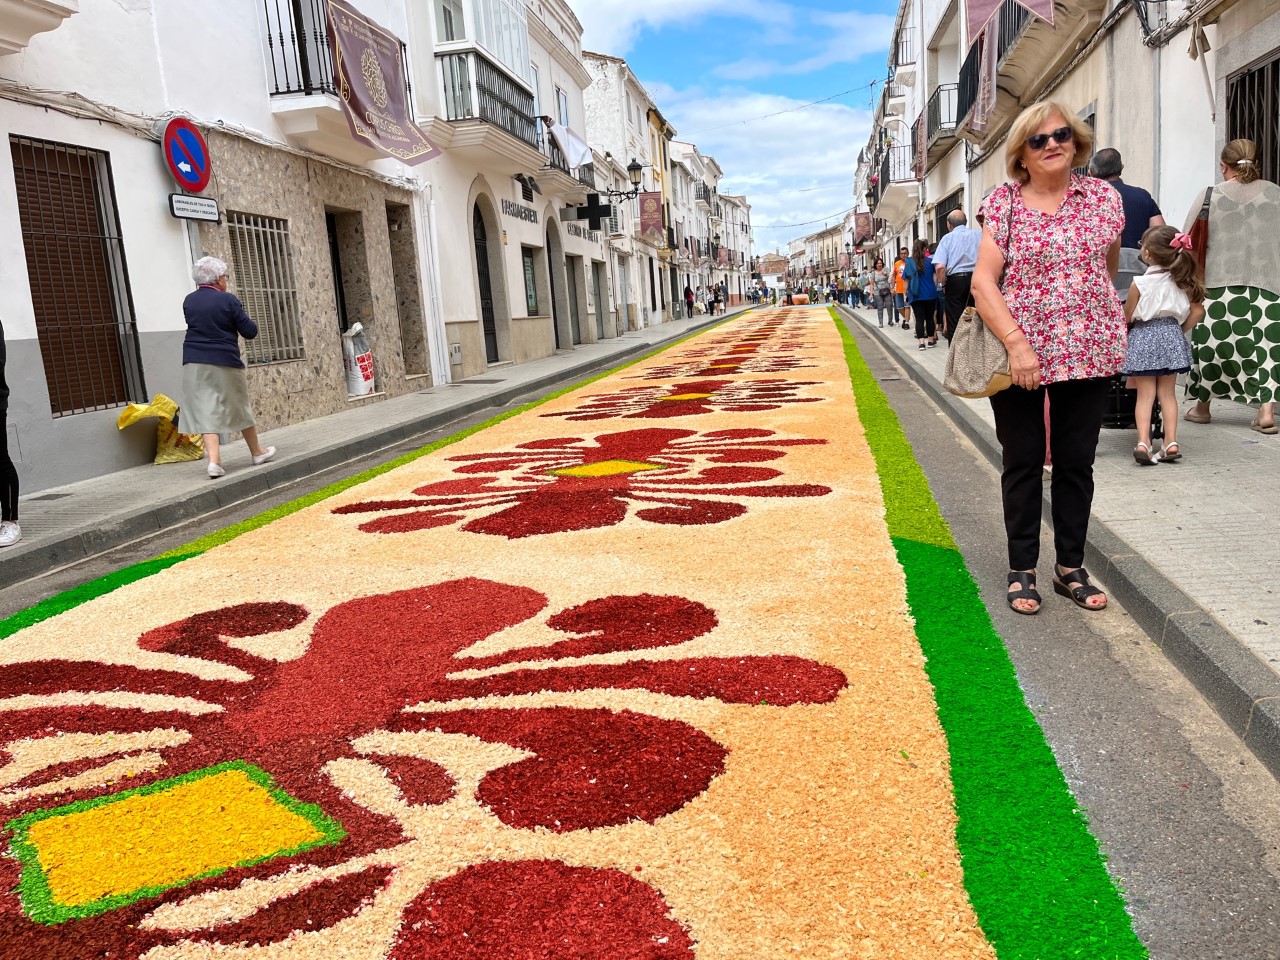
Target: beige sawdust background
831,833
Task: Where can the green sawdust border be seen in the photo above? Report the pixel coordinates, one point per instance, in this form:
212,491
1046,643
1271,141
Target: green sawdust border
70,599
33,887
1033,871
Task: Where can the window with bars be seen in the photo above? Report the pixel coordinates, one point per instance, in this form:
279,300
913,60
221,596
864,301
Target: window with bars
1253,113
942,210
79,281
263,278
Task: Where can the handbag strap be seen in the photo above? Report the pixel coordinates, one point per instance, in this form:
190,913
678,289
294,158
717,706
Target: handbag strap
1204,207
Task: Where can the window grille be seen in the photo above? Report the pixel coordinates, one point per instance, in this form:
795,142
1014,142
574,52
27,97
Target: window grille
263,278
1253,113
945,206
78,276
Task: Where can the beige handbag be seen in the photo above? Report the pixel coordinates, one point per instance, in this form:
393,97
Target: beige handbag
977,361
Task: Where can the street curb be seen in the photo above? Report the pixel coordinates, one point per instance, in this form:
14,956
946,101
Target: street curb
1242,689
72,546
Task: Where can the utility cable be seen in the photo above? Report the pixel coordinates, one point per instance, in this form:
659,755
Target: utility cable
804,106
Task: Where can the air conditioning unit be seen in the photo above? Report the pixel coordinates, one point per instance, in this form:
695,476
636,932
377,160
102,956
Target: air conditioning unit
615,229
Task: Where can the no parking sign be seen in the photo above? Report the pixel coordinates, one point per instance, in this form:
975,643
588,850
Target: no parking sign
186,154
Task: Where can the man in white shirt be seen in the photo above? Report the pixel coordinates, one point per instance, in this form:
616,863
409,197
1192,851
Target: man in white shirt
953,264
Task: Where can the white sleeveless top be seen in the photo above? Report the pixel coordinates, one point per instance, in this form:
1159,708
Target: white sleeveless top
1159,296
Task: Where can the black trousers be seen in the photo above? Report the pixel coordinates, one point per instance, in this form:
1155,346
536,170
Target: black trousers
926,312
8,472
956,298
1075,418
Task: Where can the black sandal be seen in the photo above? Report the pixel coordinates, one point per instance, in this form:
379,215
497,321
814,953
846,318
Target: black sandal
1027,583
1075,586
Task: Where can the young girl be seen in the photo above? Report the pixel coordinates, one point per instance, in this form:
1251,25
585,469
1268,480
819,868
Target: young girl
1163,304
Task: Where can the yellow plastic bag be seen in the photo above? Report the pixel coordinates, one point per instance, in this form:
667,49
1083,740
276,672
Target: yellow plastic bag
171,446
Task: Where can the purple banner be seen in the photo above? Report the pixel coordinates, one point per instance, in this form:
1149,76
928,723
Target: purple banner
861,226
369,73
651,219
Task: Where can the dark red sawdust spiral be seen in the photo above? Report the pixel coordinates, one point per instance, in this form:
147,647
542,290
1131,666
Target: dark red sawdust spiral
540,910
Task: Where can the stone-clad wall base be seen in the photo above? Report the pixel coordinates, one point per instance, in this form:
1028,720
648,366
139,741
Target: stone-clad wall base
255,179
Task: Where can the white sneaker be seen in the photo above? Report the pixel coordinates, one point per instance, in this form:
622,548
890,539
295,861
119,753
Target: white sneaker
215,471
264,456
10,533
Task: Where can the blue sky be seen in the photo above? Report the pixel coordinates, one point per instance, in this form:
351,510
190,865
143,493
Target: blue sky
712,64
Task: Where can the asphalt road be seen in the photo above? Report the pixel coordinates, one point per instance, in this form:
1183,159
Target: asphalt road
1189,819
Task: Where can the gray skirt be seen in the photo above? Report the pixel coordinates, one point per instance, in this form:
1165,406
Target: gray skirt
214,399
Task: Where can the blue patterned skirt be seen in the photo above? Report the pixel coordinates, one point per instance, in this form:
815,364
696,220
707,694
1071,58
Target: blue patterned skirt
1157,348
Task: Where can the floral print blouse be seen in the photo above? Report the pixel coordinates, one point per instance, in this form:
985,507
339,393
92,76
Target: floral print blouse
1056,282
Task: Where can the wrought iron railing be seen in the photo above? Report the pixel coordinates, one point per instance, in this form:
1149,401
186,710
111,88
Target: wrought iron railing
967,87
896,166
298,51
555,156
702,192
587,175
476,89
905,51
941,112
1014,18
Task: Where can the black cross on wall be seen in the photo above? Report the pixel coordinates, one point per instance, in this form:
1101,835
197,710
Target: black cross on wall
595,212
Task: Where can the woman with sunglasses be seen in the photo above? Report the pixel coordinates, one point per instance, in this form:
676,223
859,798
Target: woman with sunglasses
1236,354
1043,285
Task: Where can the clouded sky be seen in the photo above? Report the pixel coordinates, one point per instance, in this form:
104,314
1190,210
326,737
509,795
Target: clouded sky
715,66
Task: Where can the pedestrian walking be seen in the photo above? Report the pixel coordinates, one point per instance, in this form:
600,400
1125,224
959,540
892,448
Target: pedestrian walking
1054,236
1236,356
953,264
215,390
717,300
882,286
922,292
1141,213
900,288
1162,305
10,530
688,301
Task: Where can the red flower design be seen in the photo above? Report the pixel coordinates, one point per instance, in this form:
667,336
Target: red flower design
369,661
554,486
691,399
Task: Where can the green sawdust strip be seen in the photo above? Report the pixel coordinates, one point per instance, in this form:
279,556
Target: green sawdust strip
68,600
1033,871
33,887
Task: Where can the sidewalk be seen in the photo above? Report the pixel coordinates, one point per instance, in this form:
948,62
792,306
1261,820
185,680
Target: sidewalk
1188,548
66,524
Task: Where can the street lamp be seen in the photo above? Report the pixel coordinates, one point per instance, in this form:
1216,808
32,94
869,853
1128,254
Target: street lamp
635,172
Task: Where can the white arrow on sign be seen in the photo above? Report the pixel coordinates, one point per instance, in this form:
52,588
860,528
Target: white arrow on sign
184,167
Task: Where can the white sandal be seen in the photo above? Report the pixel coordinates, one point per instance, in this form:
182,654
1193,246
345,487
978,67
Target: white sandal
1142,453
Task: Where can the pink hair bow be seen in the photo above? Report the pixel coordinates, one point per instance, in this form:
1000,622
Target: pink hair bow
1181,241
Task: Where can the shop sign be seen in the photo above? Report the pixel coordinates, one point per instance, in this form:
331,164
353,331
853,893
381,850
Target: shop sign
519,212
369,74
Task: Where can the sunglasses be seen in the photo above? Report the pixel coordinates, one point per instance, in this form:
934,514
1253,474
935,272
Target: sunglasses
1038,141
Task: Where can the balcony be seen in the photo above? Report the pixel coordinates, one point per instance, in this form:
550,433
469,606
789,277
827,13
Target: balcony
702,194
1029,53
897,188
20,20
303,99
903,66
940,124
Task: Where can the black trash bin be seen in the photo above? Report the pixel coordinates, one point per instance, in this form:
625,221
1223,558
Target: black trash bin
1121,408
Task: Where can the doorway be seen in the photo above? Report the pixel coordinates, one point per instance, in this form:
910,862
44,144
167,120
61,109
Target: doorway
487,316
575,314
602,301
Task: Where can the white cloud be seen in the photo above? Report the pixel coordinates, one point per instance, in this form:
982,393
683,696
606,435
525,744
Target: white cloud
832,38
776,162
611,26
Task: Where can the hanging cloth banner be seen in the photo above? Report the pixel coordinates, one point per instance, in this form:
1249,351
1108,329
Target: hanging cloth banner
979,13
577,151
369,75
651,231
988,74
